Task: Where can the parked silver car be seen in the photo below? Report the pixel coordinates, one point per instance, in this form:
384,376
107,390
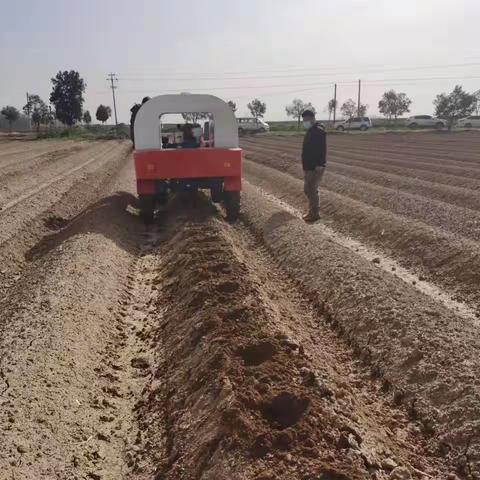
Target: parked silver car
355,123
425,121
469,122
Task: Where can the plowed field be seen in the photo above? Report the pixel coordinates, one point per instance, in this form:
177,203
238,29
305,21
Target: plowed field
267,349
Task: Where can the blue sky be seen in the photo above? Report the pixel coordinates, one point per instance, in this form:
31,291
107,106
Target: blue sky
275,50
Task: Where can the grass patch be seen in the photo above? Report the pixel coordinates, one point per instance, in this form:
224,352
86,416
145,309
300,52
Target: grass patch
93,132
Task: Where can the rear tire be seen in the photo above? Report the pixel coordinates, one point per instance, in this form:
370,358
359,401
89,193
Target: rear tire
413,126
232,205
162,198
363,128
216,195
341,128
147,207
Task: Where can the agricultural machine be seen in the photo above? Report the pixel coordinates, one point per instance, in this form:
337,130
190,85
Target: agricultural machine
162,167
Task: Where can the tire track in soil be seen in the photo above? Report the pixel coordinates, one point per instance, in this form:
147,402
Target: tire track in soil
426,356
46,166
372,157
440,258
37,147
249,382
59,206
385,263
392,178
372,154
445,182
21,160
75,363
415,147
39,188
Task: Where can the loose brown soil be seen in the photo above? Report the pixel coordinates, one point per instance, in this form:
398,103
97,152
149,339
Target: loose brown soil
198,350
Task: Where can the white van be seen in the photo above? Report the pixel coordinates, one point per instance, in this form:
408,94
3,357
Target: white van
252,125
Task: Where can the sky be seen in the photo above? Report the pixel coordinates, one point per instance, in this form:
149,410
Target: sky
275,50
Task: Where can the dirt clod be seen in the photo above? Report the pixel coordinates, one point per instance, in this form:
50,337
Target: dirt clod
400,473
389,464
140,362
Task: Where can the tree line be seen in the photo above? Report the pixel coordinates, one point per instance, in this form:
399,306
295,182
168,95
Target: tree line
68,88
67,98
448,106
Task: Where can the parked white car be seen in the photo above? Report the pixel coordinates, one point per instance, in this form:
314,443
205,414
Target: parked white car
355,123
425,121
469,122
252,125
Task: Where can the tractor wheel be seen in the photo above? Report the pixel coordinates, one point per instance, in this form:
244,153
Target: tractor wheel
232,205
216,195
147,207
163,198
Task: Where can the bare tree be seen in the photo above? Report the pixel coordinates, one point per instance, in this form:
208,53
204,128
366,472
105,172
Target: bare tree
349,109
194,117
331,106
296,109
257,108
363,109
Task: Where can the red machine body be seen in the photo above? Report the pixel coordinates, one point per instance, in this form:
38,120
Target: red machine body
183,163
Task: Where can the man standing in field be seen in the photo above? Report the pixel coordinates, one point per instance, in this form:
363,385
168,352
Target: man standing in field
314,159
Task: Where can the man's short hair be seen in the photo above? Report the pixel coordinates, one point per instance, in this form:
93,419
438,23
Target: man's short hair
308,113
145,99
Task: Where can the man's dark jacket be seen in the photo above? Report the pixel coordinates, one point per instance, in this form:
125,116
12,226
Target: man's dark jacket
134,110
314,151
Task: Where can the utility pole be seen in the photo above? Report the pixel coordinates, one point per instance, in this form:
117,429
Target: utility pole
358,105
334,105
51,118
113,78
28,112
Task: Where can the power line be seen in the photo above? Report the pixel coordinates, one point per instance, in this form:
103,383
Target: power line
373,82
222,77
113,78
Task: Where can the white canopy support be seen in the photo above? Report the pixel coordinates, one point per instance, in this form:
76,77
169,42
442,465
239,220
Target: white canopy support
147,119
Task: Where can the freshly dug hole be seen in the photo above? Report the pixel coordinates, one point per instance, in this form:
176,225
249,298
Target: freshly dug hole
285,409
254,355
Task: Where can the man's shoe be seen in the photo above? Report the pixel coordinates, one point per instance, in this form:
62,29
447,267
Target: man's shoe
311,217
